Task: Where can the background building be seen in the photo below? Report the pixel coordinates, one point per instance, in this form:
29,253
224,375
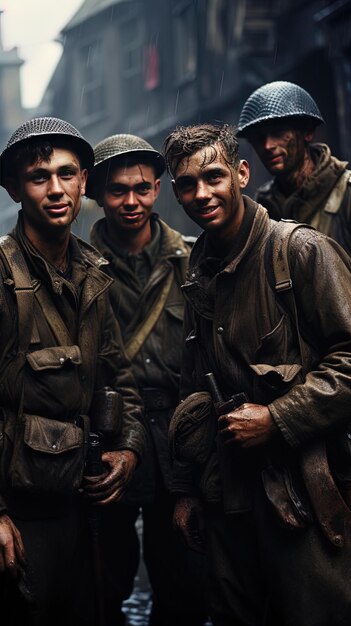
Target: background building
12,115
143,66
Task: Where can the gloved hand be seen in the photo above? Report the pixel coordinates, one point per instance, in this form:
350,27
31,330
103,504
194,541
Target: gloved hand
188,519
111,486
11,547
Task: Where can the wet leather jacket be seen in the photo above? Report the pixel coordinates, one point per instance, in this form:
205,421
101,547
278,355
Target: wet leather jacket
64,387
233,317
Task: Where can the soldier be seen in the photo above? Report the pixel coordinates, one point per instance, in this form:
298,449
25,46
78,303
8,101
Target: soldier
266,456
147,260
60,354
309,185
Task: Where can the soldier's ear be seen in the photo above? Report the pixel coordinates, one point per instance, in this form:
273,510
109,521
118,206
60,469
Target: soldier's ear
243,173
12,188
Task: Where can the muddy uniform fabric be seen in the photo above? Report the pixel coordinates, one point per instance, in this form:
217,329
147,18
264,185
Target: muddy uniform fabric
236,327
54,528
176,574
309,203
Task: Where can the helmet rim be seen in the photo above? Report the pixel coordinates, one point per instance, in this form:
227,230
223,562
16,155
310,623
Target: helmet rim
109,149
277,100
28,132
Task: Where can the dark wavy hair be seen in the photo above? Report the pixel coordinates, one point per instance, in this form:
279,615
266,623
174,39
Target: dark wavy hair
186,140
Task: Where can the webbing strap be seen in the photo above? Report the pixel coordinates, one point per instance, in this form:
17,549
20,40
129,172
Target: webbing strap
281,235
25,295
322,219
53,318
134,344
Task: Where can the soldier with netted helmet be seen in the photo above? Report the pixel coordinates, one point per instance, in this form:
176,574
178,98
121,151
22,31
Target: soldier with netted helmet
147,260
65,383
309,184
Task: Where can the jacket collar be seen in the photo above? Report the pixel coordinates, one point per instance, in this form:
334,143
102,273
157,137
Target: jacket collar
254,223
85,261
172,244
204,269
305,201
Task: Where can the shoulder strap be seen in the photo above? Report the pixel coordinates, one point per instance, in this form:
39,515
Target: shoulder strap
134,344
53,317
283,284
24,291
322,219
25,295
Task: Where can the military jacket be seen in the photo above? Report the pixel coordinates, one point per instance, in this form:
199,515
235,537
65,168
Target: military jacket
324,200
157,364
236,327
64,387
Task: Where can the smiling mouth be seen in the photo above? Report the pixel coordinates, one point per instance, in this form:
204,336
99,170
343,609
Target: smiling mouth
207,210
131,216
57,208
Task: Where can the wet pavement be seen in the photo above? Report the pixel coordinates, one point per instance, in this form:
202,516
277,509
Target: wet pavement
138,606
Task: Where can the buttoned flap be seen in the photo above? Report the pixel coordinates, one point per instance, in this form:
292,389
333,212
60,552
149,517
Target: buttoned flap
51,436
54,358
278,375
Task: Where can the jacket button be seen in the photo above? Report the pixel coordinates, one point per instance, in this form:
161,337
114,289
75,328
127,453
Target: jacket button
147,360
178,251
220,329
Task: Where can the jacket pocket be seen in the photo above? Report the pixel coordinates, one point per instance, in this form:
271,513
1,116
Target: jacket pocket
52,382
272,381
291,510
41,455
278,376
54,358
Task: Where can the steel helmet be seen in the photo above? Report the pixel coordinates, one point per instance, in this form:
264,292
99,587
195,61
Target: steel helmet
120,145
47,127
277,100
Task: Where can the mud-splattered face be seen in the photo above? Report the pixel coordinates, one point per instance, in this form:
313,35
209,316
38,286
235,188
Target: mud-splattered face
282,149
209,190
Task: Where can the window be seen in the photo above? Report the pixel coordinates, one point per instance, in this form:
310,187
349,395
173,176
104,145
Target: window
185,29
93,92
131,32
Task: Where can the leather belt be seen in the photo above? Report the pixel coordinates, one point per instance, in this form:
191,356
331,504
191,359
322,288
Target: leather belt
157,399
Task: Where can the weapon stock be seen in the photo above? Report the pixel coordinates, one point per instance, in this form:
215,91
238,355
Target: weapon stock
221,406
